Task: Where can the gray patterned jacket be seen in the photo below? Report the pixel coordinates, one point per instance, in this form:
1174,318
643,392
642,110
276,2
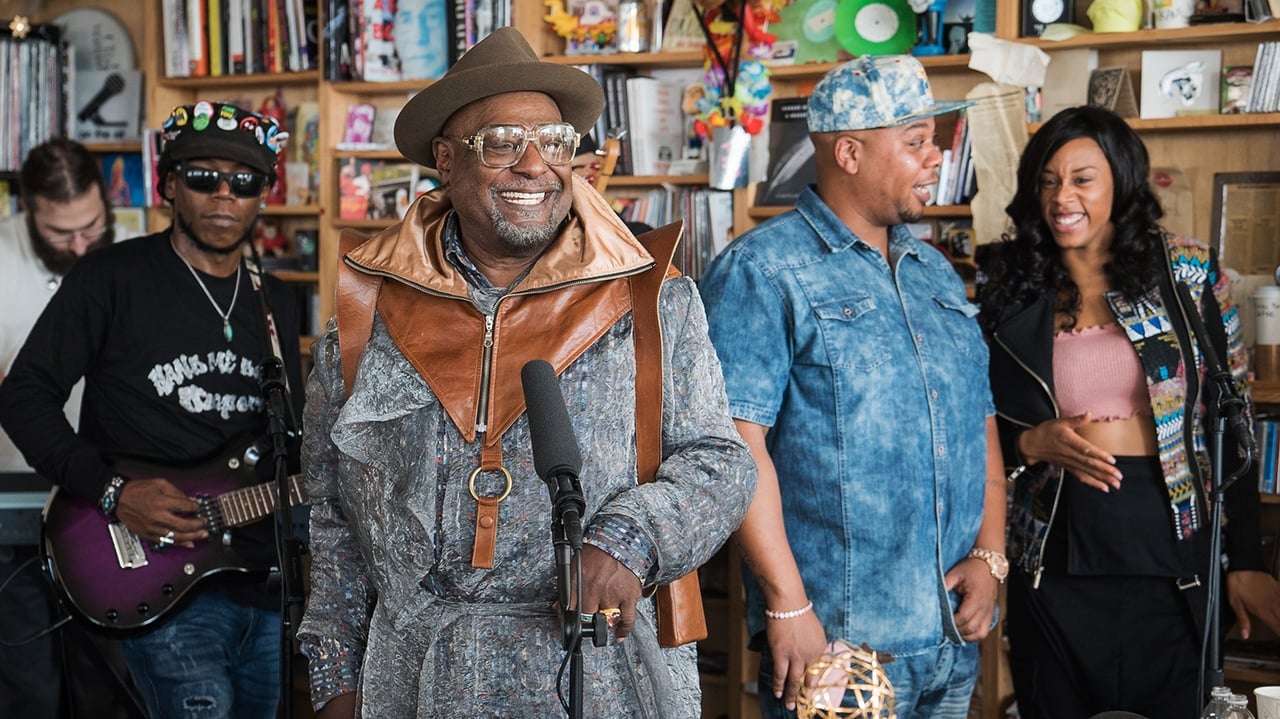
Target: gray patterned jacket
396,607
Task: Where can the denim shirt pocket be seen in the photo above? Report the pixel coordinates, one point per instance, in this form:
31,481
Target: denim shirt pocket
959,320
852,332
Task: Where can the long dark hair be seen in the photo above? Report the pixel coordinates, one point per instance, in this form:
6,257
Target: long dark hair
1026,264
61,170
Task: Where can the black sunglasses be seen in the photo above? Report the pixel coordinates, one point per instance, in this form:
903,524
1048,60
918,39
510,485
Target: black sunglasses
205,180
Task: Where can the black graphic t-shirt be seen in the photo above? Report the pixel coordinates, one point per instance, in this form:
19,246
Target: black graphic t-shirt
163,383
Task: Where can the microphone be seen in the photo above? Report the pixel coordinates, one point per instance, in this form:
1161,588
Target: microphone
113,86
1228,400
273,385
555,448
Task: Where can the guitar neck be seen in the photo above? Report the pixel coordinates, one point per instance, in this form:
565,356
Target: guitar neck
245,506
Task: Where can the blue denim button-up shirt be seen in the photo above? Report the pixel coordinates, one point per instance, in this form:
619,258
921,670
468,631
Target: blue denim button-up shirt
873,379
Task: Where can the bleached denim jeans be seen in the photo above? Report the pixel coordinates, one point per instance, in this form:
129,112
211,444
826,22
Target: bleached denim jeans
213,659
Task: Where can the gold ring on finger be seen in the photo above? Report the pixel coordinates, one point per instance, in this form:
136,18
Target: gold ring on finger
613,615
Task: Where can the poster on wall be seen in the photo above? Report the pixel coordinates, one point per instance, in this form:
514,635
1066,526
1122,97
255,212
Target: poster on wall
105,98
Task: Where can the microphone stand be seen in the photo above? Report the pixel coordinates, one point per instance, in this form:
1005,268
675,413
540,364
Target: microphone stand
557,460
568,504
275,392
1225,407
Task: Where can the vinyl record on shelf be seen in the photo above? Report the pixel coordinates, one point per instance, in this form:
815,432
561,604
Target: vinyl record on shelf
875,27
99,41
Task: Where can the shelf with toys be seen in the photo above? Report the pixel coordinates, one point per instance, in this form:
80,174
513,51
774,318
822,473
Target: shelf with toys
670,101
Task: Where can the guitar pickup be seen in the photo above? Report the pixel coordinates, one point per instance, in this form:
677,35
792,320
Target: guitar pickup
129,550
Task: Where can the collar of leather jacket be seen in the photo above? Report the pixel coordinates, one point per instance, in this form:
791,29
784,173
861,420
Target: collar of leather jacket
574,293
593,244
1023,347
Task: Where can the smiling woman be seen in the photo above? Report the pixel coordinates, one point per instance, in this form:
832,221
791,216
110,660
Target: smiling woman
1086,306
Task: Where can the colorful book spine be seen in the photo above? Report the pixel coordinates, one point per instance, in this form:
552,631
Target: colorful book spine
1267,478
197,39
217,46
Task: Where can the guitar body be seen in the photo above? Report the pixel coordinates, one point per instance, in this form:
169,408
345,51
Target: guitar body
117,581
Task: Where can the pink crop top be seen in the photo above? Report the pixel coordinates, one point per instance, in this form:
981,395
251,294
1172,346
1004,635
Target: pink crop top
1096,369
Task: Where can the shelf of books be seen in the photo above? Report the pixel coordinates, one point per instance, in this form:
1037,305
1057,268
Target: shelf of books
764,212
651,180
109,147
1265,392
206,83
1256,661
815,70
1217,33
1197,122
678,58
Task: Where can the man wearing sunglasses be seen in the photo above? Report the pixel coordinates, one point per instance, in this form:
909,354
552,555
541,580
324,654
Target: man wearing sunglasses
170,333
434,581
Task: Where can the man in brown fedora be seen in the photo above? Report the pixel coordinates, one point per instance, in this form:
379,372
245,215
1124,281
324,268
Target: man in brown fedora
434,580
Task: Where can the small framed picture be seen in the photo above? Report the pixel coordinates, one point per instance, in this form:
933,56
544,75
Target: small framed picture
130,222
959,243
1246,211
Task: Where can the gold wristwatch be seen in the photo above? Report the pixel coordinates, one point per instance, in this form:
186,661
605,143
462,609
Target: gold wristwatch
996,561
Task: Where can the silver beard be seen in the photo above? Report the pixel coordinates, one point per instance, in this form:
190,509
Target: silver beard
522,239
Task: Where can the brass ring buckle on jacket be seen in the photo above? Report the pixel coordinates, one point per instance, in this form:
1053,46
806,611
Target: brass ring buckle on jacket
471,483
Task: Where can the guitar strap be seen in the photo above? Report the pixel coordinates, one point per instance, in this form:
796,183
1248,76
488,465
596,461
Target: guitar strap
253,263
680,615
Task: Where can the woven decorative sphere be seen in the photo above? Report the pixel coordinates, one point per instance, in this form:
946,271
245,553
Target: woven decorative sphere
844,672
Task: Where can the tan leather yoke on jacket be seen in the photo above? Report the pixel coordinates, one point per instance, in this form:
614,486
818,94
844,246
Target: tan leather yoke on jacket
522,331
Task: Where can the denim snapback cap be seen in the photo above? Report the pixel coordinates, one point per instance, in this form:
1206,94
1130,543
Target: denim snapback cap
874,91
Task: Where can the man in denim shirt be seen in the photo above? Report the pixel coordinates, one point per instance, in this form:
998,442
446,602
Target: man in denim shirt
857,375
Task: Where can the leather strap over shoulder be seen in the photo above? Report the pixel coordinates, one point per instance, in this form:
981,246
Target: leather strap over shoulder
681,619
356,295
647,331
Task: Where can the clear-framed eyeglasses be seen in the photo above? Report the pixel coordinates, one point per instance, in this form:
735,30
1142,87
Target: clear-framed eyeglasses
65,239
501,146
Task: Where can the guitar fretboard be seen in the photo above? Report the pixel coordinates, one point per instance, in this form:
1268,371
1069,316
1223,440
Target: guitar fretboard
243,506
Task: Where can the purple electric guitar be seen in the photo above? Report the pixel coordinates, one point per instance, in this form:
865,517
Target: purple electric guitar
116,580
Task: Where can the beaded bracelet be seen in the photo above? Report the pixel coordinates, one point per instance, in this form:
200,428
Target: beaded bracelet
791,614
111,495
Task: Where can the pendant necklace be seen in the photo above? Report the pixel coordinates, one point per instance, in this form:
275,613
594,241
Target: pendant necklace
226,316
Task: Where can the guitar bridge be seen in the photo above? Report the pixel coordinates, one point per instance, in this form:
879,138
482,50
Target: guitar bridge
129,549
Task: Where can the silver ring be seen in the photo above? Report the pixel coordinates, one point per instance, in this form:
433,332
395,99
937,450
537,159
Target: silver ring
167,539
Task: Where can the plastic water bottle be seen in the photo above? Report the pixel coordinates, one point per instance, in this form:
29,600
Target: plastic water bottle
1217,706
1238,707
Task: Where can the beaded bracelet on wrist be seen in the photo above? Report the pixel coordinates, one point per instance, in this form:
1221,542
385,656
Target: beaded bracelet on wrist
792,614
111,495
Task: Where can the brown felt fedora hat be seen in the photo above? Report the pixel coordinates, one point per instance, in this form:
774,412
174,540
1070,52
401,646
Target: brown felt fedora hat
500,63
